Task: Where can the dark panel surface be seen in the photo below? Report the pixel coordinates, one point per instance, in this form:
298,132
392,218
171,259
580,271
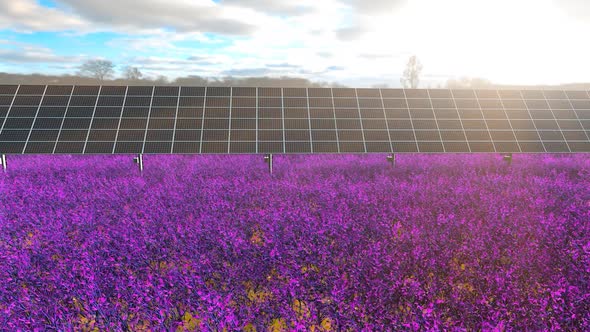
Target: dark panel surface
37,119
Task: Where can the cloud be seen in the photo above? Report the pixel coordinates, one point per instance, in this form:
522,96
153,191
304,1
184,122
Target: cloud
283,65
28,16
178,15
274,7
350,33
185,16
20,53
374,6
247,72
575,8
363,13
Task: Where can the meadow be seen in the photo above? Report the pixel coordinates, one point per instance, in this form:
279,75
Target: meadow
326,243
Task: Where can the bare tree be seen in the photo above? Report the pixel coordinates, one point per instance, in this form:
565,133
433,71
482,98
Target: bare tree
132,73
411,77
162,80
98,69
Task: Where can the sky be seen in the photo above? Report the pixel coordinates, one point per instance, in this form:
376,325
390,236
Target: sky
354,42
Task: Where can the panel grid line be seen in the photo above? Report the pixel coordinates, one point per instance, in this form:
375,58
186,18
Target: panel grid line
385,119
283,120
309,120
203,121
411,120
335,121
533,121
256,120
147,126
120,119
63,120
92,119
231,97
175,121
34,120
556,121
509,121
9,109
485,121
436,122
460,120
358,105
577,117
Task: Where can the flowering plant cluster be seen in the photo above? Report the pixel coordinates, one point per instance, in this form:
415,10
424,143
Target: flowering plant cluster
215,243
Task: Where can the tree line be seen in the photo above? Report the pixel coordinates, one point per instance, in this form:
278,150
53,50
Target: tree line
103,72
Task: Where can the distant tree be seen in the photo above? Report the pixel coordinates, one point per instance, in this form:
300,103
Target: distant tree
98,69
411,77
132,73
161,80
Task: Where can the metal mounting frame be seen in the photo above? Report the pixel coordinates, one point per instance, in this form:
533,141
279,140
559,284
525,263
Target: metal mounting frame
139,161
391,159
269,160
3,162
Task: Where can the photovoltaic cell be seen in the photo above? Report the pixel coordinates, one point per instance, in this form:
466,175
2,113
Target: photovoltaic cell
37,119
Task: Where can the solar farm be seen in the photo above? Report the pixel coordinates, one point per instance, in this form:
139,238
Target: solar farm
481,220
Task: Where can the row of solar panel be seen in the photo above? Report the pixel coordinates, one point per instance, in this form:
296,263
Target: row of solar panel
288,92
291,135
289,147
394,115
224,124
215,102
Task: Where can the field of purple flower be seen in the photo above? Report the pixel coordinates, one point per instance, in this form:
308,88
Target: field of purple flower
326,243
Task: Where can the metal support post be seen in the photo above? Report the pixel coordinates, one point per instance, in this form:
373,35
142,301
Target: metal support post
507,158
3,162
269,161
391,159
139,161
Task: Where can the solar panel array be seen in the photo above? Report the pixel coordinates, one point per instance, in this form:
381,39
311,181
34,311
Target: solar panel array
220,120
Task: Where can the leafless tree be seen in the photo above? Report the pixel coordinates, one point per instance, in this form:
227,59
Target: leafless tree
98,69
132,73
411,77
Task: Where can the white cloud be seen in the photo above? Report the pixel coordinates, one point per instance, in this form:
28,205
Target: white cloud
179,15
22,53
28,15
506,41
575,8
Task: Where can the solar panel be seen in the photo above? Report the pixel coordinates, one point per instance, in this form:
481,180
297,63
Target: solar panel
222,120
